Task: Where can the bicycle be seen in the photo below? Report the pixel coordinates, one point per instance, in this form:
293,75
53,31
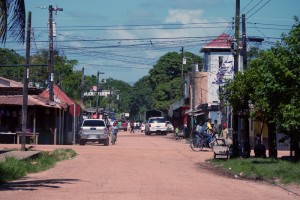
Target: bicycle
199,142
113,139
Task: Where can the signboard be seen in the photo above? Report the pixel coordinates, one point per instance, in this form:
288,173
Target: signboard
283,141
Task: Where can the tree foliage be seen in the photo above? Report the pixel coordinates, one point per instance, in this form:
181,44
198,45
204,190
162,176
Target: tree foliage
10,57
272,85
165,78
12,20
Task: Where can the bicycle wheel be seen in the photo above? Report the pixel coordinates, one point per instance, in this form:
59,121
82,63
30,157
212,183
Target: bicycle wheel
196,144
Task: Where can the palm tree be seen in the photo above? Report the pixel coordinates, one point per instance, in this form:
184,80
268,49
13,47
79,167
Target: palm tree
12,20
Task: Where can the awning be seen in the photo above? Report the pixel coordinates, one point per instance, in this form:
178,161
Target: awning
196,112
33,100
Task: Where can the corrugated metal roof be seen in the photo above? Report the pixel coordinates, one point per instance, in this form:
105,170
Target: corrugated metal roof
4,82
33,100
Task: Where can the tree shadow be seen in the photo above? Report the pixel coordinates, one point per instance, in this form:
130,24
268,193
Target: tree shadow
34,185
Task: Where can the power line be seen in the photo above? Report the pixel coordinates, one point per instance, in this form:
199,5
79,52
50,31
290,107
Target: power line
247,5
254,7
116,66
259,8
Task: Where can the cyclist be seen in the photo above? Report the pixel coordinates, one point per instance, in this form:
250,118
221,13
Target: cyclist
114,131
206,131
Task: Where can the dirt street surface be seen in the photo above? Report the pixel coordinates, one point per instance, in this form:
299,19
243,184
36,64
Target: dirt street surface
137,167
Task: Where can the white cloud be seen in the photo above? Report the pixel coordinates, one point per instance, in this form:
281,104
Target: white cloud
183,16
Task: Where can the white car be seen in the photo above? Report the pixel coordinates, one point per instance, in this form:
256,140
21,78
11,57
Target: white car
170,127
93,130
156,125
143,126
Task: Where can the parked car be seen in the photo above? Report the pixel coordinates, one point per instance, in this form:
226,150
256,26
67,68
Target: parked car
143,126
170,127
156,125
123,126
93,130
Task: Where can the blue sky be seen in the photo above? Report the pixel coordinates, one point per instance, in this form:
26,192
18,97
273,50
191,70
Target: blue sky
125,38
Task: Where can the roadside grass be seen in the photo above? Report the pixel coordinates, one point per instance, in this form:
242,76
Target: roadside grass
12,169
266,169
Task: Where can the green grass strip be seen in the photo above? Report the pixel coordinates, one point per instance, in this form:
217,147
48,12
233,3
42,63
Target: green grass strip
267,169
12,169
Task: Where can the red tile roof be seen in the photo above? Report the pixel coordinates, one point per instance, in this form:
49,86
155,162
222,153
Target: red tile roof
221,42
59,96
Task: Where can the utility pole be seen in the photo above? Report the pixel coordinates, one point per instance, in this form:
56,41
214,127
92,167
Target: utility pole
235,119
97,94
244,39
245,67
25,84
82,85
181,81
50,62
110,98
193,96
237,35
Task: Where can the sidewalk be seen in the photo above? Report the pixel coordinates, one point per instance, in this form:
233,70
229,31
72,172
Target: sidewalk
20,155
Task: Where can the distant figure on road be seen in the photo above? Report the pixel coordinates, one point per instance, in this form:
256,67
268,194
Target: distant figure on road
132,127
114,131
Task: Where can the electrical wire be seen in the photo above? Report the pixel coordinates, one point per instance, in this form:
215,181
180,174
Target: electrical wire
259,9
247,5
254,7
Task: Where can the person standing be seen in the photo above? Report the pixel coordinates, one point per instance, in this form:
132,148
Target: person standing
216,129
114,131
225,135
132,126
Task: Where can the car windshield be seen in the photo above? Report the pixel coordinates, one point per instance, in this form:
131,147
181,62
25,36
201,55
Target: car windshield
93,123
157,120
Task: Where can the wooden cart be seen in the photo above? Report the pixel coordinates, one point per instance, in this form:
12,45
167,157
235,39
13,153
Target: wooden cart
220,149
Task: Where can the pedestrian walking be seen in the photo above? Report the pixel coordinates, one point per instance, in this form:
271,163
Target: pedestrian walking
132,126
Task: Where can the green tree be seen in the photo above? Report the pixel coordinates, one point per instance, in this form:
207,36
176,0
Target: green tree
10,57
272,85
119,89
63,67
141,97
13,20
165,78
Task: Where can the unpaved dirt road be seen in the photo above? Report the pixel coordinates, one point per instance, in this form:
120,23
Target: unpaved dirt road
137,167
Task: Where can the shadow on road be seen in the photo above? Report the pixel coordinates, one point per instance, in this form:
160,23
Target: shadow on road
34,185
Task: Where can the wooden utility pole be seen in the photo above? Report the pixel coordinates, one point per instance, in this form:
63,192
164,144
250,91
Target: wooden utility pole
181,81
98,95
82,85
25,84
235,119
193,96
50,61
244,39
237,35
245,67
